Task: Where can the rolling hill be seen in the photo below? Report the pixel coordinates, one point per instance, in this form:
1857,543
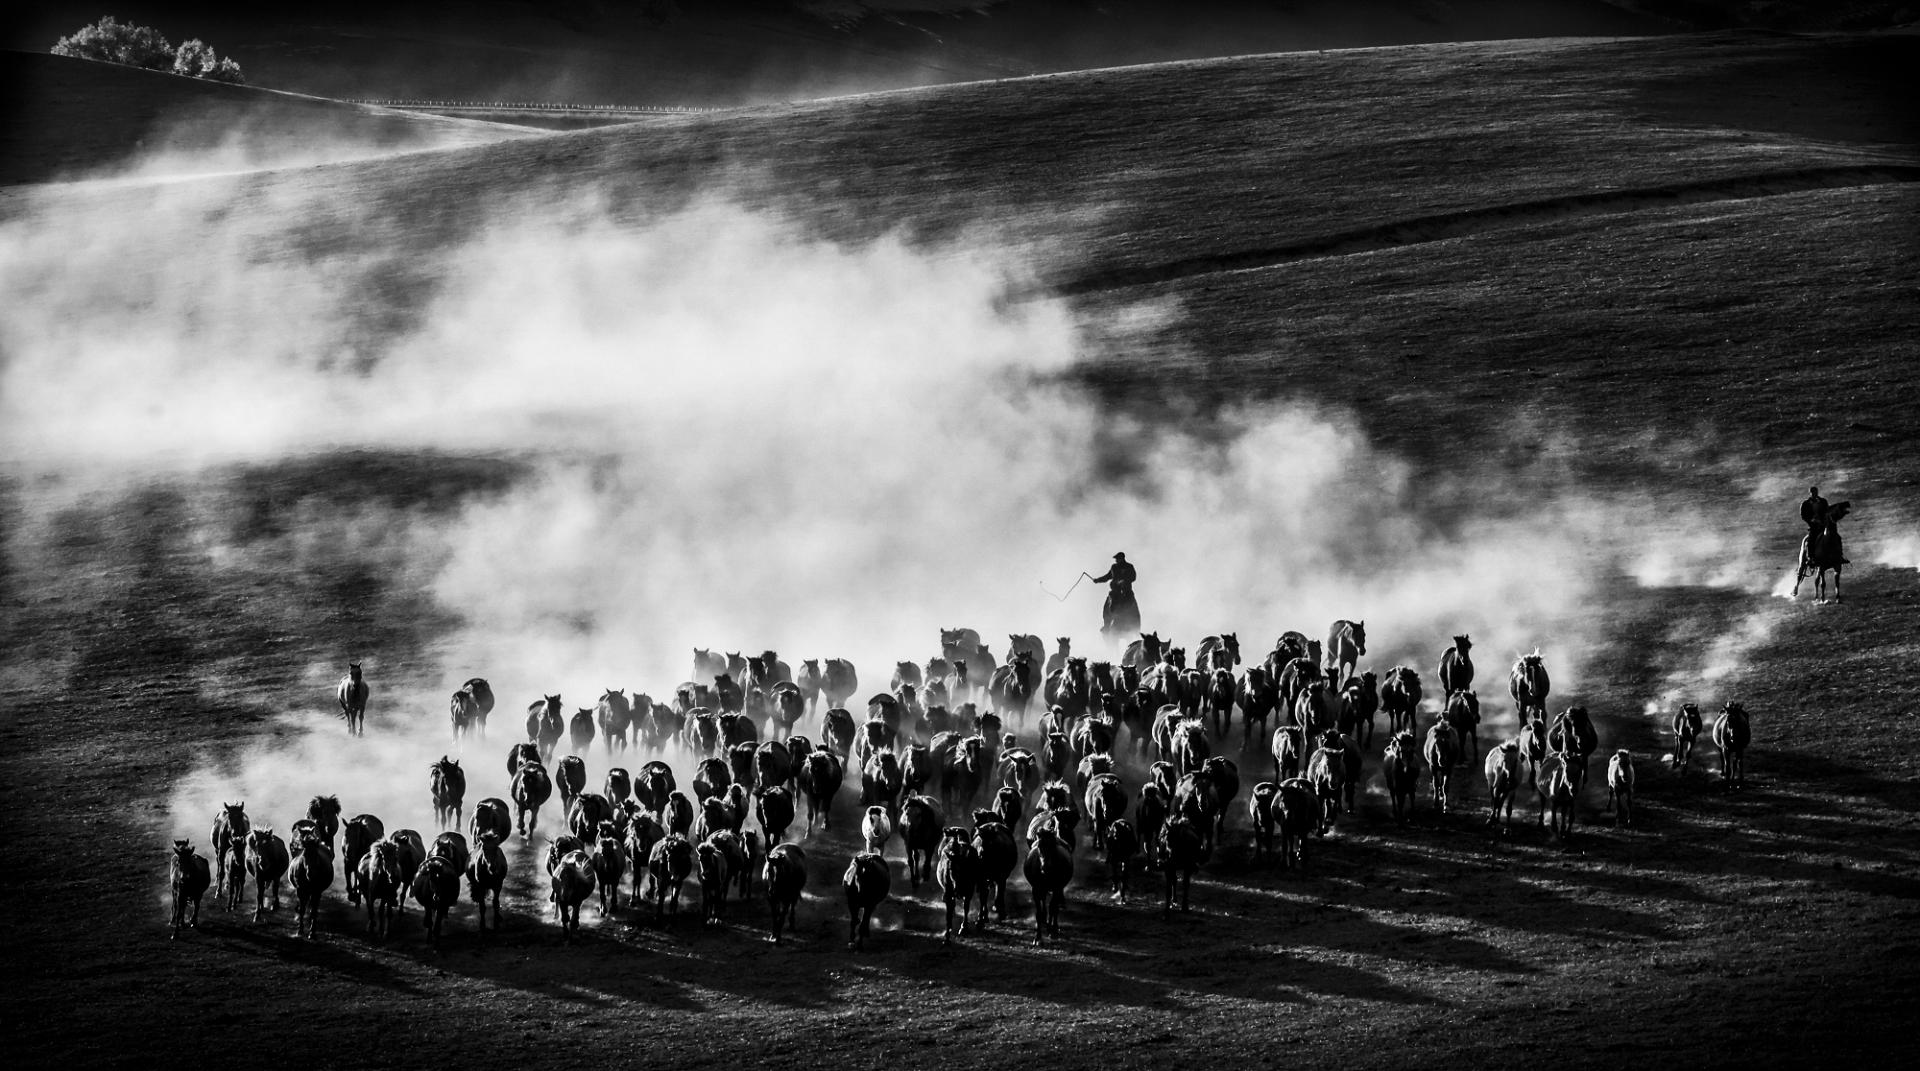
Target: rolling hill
1577,307
69,118
732,52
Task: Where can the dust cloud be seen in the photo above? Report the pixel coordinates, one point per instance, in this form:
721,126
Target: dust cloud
739,437
1899,551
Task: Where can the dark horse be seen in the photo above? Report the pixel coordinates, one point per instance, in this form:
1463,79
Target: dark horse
545,724
1821,552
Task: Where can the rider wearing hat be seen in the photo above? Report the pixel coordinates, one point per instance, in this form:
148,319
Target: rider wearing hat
1813,513
1121,614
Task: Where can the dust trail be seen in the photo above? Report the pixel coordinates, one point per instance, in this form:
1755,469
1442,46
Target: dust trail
745,438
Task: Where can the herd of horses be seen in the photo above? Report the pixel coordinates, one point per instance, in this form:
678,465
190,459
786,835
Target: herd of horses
1133,759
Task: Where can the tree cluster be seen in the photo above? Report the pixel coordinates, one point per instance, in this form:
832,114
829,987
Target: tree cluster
113,41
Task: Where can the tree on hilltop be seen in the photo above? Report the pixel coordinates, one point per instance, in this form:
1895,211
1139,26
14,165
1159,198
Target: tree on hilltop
196,59
113,41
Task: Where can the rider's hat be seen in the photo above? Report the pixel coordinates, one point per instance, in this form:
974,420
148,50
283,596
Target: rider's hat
1119,555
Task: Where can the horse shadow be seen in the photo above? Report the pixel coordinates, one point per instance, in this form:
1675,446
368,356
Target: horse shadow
333,951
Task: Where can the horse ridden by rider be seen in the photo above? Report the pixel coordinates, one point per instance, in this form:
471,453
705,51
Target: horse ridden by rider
1820,549
1120,617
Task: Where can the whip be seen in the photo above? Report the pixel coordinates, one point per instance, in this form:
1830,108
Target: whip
1063,598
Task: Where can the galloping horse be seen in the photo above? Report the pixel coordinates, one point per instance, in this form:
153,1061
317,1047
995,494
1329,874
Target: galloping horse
448,784
614,713
1219,652
353,699
708,664
482,694
190,877
545,724
1144,651
1463,713
1400,698
1011,686
312,873
1822,553
465,712
1572,734
230,828
1529,685
1731,734
1456,666
1346,642
1359,702
841,681
1686,729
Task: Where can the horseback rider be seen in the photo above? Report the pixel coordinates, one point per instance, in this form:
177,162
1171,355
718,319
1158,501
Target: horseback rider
1822,549
1813,512
1121,614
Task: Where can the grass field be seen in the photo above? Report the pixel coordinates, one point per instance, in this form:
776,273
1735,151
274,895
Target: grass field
732,52
71,118
1540,339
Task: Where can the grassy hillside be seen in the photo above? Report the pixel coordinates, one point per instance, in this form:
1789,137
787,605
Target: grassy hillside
69,117
1246,154
729,52
1682,265
1196,168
